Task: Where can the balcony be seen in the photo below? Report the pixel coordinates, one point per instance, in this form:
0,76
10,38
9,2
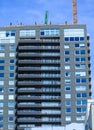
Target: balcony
38,61
29,90
37,120
21,48
33,98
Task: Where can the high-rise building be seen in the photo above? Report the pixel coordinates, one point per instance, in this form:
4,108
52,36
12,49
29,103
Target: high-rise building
44,75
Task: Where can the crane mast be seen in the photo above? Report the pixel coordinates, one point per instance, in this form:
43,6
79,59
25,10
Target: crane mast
74,12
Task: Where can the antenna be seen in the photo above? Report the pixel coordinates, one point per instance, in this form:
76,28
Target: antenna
46,17
74,12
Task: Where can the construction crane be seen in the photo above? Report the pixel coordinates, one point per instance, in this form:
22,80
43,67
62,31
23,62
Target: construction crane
46,17
74,12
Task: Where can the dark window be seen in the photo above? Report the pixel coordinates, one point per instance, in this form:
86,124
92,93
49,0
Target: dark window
1,67
66,39
81,38
71,38
1,75
2,61
12,61
76,38
42,33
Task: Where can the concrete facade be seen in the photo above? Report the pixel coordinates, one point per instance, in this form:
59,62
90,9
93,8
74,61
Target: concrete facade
45,76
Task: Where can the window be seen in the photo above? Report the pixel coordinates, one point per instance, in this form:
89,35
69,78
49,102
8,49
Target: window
1,97
11,75
1,90
79,118
10,126
81,80
81,88
10,112
81,102
12,61
12,47
66,46
11,97
80,66
1,75
10,104
1,104
1,111
67,81
12,54
11,90
1,67
68,118
68,88
1,118
10,119
2,47
67,74
82,45
11,82
68,110
82,59
67,52
11,67
80,73
27,33
2,61
67,67
50,32
67,59
81,110
67,102
81,95
2,54
1,126
67,96
1,82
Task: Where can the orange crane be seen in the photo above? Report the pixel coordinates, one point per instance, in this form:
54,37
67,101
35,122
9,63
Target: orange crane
74,12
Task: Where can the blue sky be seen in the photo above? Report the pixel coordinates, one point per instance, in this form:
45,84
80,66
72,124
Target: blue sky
29,11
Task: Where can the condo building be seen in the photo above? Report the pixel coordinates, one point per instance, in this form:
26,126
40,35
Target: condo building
44,75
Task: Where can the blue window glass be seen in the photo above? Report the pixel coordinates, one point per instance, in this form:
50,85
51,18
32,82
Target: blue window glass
2,61
11,75
78,109
71,38
68,102
42,33
78,94
84,95
1,126
83,59
2,47
68,109
67,74
81,38
76,38
83,109
12,33
83,80
67,52
1,118
11,89
11,67
12,47
11,104
1,75
77,80
67,59
1,104
77,52
66,38
78,102
68,88
82,51
12,61
77,59
76,45
84,102
1,67
11,118
1,90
